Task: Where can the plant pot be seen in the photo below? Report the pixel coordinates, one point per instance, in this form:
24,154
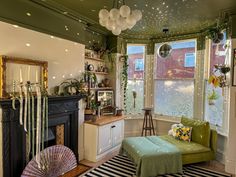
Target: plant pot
119,112
94,118
88,111
211,102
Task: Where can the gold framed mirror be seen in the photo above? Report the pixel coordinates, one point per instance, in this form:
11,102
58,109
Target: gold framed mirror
21,70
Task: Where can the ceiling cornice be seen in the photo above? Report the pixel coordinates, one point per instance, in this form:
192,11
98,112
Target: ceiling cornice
90,25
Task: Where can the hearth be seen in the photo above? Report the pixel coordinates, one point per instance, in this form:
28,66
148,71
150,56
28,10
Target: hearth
63,129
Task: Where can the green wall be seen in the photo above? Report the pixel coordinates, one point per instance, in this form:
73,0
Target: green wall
47,21
233,26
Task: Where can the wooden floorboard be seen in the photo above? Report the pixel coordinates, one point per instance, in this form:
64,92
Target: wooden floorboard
80,169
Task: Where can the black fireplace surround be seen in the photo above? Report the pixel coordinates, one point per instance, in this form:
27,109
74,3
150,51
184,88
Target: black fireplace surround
62,110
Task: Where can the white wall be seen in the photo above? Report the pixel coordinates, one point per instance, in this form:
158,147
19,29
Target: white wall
230,164
62,63
43,47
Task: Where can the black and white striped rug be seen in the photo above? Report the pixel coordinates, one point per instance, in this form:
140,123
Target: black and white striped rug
122,166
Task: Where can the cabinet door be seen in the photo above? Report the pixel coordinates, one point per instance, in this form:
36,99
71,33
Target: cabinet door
117,132
104,138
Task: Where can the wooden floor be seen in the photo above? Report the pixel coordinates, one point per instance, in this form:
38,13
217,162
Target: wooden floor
213,165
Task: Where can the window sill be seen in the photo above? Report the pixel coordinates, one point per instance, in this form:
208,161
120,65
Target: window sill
219,130
155,117
167,118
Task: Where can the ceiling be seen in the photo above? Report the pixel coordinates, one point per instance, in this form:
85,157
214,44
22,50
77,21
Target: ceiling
180,16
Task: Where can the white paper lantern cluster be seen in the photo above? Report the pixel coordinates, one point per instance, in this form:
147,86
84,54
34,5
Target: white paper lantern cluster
118,20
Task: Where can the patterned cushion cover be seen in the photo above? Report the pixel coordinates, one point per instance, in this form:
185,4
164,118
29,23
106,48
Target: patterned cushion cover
183,133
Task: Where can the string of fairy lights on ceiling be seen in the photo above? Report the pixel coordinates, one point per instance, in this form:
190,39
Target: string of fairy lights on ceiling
179,16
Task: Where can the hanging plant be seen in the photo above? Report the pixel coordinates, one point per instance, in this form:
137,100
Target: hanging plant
212,97
215,32
124,76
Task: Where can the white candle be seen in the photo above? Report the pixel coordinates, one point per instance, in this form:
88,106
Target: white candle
21,80
28,73
36,77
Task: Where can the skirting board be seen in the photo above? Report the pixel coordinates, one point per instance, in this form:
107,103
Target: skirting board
220,157
230,166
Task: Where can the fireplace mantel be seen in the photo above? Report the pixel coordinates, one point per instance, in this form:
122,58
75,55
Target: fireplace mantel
62,109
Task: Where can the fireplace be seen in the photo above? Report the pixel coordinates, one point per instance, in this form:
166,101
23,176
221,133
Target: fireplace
63,129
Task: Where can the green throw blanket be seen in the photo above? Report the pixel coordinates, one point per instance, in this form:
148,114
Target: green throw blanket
152,155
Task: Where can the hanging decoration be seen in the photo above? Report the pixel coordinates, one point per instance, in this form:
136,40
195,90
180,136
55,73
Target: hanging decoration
215,33
165,49
119,19
218,78
134,97
34,127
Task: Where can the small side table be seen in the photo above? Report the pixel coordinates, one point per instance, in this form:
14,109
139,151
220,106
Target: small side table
148,122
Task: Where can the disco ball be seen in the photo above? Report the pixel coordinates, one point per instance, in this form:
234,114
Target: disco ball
164,50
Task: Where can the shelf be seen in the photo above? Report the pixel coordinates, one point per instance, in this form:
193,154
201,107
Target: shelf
101,88
101,73
95,59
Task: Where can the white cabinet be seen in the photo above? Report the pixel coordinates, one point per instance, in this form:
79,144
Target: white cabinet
102,139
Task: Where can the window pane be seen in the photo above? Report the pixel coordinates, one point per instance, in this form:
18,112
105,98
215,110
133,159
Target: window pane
174,97
174,65
135,87
134,97
135,61
217,53
214,111
174,80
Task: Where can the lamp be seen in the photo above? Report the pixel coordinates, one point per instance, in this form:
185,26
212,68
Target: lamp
118,20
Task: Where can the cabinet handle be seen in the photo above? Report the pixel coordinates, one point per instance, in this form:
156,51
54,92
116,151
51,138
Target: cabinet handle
113,126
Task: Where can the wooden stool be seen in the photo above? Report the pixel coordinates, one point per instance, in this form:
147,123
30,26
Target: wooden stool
147,122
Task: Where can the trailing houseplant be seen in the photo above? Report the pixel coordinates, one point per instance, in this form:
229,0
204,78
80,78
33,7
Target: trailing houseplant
124,76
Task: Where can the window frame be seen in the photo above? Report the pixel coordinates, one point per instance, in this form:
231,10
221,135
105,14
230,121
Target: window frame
168,117
144,74
222,130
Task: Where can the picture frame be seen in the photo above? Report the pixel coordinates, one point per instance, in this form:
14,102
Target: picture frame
106,100
234,68
21,70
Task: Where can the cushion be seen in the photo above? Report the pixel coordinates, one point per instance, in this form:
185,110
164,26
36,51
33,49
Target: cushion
172,131
183,133
200,130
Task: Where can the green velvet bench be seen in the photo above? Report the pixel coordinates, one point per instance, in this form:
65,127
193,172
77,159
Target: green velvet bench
154,155
203,145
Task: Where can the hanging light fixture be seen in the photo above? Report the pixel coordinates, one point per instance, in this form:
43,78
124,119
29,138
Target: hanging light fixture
119,19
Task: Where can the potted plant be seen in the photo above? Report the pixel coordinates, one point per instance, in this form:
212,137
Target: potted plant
212,97
94,108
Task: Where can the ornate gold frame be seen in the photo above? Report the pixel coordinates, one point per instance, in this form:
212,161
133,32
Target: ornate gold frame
7,59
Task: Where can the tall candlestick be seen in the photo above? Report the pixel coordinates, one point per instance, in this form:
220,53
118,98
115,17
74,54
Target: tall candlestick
28,73
21,79
36,79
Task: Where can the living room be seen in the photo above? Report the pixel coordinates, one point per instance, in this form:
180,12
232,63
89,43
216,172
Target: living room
90,84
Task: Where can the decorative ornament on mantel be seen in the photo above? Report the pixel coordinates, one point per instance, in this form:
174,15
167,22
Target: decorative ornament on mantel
119,19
